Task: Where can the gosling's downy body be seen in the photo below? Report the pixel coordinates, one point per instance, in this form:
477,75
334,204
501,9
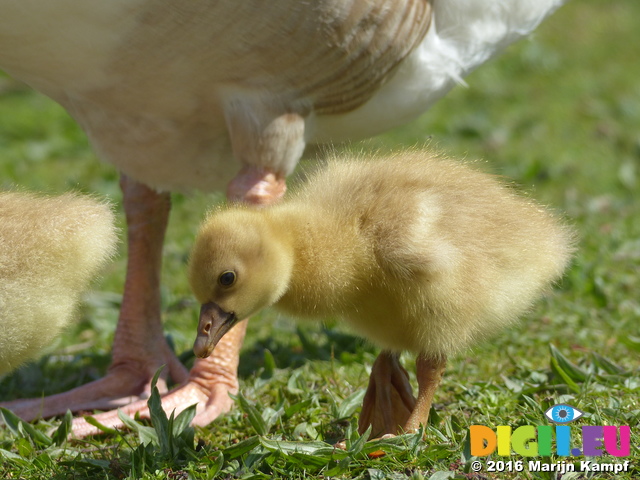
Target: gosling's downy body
416,253
50,249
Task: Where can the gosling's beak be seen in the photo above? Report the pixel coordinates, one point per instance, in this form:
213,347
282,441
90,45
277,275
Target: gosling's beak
214,323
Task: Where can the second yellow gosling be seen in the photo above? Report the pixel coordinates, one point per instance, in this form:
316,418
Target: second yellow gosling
50,249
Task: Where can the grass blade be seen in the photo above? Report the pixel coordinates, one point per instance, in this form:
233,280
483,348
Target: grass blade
350,404
556,368
183,420
159,418
269,364
256,420
146,434
20,428
11,420
296,407
103,428
14,457
566,370
607,365
357,446
293,447
241,448
631,342
309,462
296,384
442,475
62,432
571,369
216,464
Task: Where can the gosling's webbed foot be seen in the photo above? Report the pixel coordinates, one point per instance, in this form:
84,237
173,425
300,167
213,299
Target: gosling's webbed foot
388,401
389,406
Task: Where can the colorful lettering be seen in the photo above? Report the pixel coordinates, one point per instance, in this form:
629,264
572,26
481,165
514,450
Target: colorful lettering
530,441
544,440
611,441
504,440
563,440
524,442
592,441
482,439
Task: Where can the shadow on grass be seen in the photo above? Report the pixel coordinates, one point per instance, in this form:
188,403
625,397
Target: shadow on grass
307,344
55,374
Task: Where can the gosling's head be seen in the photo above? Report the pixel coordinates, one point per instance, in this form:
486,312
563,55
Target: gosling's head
238,266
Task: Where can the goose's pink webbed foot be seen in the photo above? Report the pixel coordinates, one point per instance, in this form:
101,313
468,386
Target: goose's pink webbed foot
209,384
212,379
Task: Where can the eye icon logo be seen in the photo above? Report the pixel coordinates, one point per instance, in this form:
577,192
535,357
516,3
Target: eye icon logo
563,413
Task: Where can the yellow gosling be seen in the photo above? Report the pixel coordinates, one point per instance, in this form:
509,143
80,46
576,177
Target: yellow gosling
50,248
416,253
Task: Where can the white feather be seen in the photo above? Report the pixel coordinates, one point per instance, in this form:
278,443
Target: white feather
464,35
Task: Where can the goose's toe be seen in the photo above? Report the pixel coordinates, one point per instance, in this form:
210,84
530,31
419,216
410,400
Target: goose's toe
210,382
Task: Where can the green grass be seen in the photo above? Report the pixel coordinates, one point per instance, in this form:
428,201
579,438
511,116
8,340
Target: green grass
559,114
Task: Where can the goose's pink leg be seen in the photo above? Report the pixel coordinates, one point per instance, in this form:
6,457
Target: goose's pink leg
139,346
211,379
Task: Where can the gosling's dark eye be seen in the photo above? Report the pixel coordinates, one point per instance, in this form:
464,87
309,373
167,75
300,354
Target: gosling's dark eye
227,278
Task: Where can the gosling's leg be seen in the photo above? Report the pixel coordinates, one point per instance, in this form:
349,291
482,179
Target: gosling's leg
388,401
429,371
